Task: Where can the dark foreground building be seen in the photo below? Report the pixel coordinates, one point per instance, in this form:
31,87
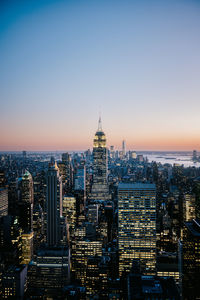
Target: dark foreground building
13,282
48,273
191,260
151,287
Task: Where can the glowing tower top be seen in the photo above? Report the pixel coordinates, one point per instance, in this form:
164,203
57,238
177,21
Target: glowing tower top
100,138
100,165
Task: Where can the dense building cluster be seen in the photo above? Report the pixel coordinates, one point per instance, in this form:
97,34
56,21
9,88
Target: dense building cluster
102,224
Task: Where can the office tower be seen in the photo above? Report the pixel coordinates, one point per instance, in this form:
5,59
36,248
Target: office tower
112,152
25,212
100,166
24,154
79,180
27,188
120,155
124,148
88,156
132,155
13,198
64,232
81,251
80,196
137,226
49,273
80,189
97,278
53,205
102,229
109,220
65,170
10,240
40,189
191,260
189,207
140,158
25,205
151,288
26,247
38,225
167,266
3,201
14,282
69,212
194,156
93,213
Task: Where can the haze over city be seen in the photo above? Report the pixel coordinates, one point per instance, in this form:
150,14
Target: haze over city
64,61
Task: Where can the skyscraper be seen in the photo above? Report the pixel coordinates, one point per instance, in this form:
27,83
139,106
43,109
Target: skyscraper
54,205
124,148
100,166
194,156
191,259
82,249
25,207
13,282
26,247
25,184
80,188
69,212
49,273
79,180
3,201
137,226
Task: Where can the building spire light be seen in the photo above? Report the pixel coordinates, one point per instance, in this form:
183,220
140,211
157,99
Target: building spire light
100,124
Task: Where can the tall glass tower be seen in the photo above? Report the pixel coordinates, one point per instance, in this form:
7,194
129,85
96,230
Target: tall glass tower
100,166
25,204
54,205
25,212
137,226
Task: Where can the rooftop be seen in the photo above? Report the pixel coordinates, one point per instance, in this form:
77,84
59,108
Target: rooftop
193,227
136,186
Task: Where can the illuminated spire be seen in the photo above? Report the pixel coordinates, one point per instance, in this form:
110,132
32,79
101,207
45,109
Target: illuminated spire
100,124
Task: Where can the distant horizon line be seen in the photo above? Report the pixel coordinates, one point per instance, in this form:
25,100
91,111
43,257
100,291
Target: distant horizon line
80,151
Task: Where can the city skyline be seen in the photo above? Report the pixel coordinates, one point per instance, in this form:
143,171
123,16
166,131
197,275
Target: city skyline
63,61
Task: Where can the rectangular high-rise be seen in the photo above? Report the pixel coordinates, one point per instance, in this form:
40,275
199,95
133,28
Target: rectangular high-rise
100,166
54,205
49,273
191,260
3,202
79,182
25,203
137,226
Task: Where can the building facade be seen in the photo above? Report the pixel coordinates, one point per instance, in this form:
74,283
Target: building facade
25,204
49,273
100,166
137,226
53,205
191,260
3,202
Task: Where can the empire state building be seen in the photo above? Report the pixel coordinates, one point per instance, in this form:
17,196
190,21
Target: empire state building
100,166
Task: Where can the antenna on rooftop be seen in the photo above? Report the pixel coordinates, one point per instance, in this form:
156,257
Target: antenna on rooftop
100,123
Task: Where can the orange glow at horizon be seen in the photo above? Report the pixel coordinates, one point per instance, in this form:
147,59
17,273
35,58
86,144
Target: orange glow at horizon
75,143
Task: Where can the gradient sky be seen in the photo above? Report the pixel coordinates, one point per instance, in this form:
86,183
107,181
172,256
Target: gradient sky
61,62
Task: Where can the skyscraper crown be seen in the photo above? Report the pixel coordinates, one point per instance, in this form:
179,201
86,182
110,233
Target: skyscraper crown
99,139
99,125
